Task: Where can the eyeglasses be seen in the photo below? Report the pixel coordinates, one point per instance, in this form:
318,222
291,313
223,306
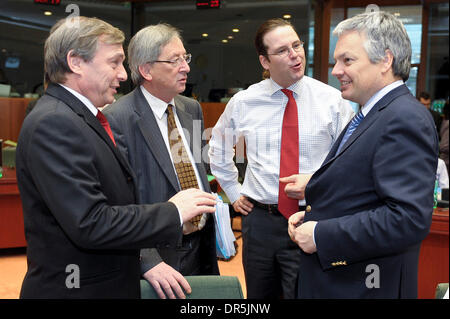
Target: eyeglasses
177,62
283,52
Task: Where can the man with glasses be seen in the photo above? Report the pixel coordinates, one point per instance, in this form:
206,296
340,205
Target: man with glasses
289,122
160,132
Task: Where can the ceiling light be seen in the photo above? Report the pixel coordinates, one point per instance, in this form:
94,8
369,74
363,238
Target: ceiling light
48,13
224,41
235,30
287,16
205,35
230,37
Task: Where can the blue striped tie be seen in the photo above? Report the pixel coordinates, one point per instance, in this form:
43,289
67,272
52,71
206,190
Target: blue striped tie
353,125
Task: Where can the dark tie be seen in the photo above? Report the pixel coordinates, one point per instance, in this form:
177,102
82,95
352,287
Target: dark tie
289,157
183,166
351,128
105,124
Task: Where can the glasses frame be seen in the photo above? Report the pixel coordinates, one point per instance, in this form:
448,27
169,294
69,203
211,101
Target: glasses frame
288,50
176,62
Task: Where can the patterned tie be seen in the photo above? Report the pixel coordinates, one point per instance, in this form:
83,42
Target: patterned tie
289,157
352,127
105,124
183,166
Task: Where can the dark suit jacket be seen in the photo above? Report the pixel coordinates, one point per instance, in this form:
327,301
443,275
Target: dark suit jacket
78,199
373,202
139,137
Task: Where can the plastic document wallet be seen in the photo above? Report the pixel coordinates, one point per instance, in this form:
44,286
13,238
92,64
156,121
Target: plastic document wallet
224,234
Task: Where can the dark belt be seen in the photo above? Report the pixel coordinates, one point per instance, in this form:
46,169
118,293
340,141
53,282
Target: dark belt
271,208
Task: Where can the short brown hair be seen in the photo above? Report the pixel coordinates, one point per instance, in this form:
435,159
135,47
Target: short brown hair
265,28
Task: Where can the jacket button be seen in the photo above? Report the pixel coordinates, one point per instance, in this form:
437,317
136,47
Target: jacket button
308,208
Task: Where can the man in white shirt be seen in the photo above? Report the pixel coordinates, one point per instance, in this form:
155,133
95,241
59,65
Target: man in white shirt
159,154
258,115
371,201
442,174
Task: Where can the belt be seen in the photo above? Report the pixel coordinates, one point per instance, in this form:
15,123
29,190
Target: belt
271,208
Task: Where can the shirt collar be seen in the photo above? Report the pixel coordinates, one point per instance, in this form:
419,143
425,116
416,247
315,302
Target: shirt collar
83,99
275,87
379,95
158,106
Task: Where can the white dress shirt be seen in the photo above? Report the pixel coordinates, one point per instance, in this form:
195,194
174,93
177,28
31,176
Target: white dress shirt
442,174
257,115
83,99
378,96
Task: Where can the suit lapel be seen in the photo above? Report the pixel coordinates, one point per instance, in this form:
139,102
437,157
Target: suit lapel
152,137
185,120
369,119
79,108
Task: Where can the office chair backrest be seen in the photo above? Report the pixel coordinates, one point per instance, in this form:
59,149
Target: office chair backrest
203,287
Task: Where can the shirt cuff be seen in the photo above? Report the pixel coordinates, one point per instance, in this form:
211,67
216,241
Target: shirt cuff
233,192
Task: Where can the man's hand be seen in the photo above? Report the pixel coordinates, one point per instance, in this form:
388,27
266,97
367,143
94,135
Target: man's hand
192,202
296,185
242,205
302,233
166,279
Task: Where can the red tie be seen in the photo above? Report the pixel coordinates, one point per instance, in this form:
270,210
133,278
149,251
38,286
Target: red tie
289,156
105,124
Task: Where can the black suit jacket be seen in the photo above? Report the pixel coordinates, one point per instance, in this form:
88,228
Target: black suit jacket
139,137
373,202
78,199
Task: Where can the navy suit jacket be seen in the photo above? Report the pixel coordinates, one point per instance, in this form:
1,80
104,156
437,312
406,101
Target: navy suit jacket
139,137
373,202
78,201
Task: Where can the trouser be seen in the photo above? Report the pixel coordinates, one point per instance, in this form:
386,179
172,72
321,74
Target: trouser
271,260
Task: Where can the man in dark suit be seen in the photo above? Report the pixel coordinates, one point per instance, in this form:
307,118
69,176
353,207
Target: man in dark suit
82,225
369,205
140,121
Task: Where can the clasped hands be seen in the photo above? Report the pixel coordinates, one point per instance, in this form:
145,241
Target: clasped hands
301,233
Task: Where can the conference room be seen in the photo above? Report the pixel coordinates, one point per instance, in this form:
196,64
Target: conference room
220,37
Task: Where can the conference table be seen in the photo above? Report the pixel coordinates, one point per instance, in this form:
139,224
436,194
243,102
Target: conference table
433,260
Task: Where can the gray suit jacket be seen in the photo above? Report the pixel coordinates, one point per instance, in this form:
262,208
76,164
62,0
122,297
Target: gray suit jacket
137,134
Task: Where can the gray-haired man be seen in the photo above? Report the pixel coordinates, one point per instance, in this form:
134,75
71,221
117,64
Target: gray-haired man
372,199
152,124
